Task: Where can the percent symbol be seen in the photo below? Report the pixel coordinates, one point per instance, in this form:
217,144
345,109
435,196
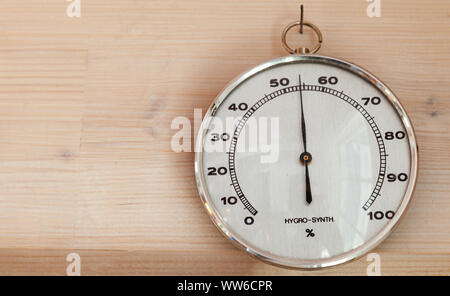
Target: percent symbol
309,233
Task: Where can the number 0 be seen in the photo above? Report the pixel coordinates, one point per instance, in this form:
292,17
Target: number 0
249,220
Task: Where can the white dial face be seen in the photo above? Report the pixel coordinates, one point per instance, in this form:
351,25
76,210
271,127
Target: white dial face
305,161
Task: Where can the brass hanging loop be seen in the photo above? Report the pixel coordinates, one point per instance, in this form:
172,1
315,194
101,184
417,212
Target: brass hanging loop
300,24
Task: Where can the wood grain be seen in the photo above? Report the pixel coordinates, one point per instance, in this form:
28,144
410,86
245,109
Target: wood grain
86,106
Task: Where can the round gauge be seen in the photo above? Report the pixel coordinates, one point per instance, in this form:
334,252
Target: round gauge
306,161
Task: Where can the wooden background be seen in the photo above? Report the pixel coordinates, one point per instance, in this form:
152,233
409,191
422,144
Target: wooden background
86,106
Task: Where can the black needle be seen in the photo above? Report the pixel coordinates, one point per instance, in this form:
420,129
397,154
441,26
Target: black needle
308,185
303,115
305,157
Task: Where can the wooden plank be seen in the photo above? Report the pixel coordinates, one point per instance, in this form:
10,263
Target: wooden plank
86,106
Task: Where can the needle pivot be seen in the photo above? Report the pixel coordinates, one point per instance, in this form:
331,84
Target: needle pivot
305,158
